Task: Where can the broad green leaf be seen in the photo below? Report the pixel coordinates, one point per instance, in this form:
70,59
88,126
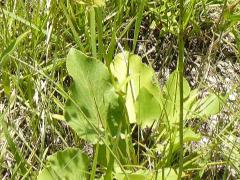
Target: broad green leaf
68,164
133,176
188,136
147,108
132,75
94,106
169,174
202,108
92,2
193,107
126,64
172,87
210,105
188,105
172,97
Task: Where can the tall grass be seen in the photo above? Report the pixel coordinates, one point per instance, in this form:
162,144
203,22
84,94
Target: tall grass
35,37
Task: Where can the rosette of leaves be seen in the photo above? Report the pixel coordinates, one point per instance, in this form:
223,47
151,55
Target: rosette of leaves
103,102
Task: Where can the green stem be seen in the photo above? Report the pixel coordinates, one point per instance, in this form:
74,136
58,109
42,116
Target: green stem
93,32
180,71
101,52
93,171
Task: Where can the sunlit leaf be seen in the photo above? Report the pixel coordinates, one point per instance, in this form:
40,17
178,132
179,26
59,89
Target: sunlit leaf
147,108
172,97
132,75
92,2
169,174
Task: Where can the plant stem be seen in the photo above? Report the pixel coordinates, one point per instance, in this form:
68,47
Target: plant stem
93,32
101,51
180,71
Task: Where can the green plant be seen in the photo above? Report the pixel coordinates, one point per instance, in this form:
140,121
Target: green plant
35,37
165,15
107,105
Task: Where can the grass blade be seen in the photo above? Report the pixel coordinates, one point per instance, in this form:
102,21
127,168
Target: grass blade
20,160
180,71
138,23
93,32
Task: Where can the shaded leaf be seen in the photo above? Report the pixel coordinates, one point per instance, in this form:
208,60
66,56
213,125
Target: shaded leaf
94,106
188,136
188,104
68,164
210,105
